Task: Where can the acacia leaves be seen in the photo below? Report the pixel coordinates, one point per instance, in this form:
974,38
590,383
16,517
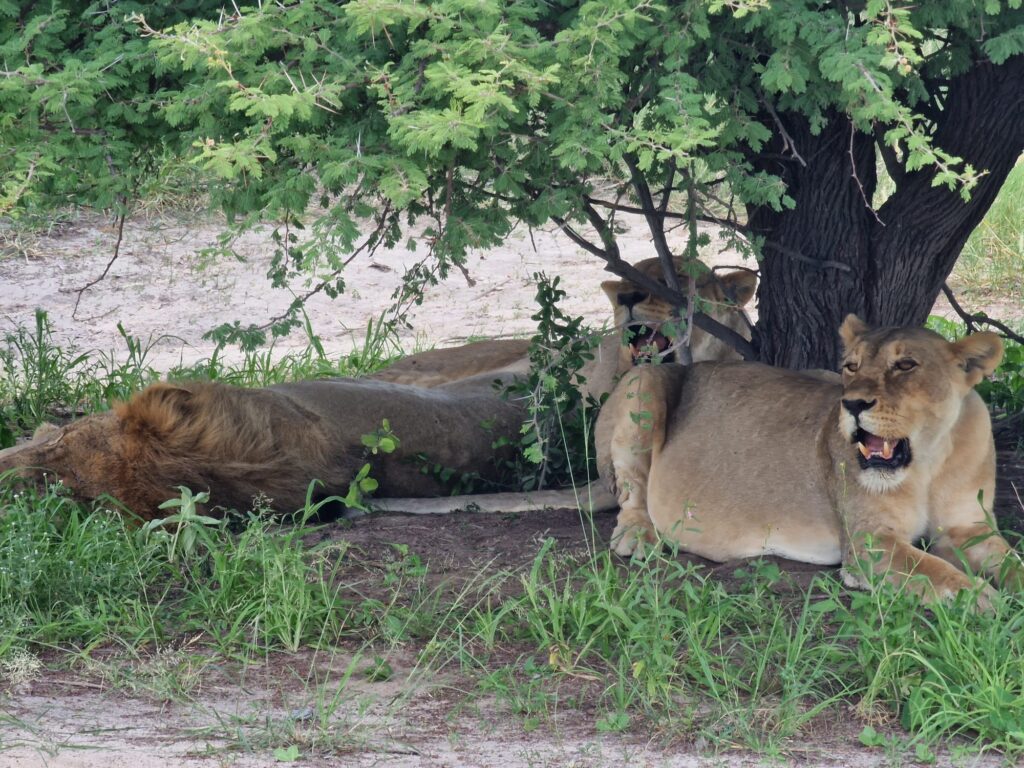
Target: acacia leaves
473,115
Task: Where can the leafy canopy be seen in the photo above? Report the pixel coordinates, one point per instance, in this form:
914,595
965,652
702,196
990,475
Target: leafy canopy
464,118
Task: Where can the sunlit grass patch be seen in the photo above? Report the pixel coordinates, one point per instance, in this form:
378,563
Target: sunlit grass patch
992,260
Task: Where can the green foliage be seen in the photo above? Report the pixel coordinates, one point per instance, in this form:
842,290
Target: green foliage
557,442
41,380
353,122
38,375
752,660
68,575
1004,390
382,440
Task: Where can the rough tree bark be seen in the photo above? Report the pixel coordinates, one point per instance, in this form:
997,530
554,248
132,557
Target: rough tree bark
832,254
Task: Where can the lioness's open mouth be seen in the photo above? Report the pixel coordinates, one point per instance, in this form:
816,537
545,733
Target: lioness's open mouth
646,343
875,452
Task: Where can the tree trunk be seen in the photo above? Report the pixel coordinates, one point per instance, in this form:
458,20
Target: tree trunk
816,256
832,254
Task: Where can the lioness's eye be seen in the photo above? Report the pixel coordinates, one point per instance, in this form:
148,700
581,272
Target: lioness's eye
851,367
906,364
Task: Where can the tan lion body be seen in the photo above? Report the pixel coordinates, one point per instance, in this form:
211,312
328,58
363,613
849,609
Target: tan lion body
724,297
735,460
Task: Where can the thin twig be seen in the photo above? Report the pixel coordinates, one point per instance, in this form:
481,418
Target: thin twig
369,244
655,222
615,264
972,321
787,140
796,255
704,217
856,178
117,252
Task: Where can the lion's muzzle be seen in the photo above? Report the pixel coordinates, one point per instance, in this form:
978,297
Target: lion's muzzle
646,344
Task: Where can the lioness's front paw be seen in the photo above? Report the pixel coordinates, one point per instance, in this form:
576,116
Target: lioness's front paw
627,538
948,588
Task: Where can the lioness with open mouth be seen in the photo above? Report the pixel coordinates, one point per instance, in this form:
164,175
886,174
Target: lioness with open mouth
736,460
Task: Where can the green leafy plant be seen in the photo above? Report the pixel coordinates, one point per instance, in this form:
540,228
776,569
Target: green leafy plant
182,531
557,441
39,376
355,126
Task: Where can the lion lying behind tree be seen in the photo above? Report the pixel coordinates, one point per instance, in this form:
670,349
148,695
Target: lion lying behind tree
236,443
737,460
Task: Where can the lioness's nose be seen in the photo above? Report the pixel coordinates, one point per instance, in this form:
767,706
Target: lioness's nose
856,407
629,300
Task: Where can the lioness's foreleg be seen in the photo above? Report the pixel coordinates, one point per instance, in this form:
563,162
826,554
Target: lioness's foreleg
889,554
984,551
638,413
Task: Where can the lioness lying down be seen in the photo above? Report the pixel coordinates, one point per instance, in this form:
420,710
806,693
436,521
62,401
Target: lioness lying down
736,460
236,443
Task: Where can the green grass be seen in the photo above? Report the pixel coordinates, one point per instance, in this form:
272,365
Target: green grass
40,380
655,644
992,261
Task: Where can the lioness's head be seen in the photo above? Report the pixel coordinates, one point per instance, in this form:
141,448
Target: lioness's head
647,320
903,389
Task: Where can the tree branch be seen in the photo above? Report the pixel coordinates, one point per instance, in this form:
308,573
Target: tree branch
889,159
615,264
707,218
655,222
787,140
971,321
117,252
820,264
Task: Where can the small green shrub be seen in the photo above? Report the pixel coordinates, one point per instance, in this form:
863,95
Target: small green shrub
557,443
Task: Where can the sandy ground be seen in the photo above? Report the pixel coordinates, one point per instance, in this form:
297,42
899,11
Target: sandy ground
161,290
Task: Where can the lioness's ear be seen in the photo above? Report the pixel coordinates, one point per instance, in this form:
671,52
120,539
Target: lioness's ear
739,286
851,330
611,289
978,354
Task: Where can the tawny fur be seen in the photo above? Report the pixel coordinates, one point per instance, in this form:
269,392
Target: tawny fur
734,460
236,443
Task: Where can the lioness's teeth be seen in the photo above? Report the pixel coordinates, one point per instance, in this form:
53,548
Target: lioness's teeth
865,451
886,450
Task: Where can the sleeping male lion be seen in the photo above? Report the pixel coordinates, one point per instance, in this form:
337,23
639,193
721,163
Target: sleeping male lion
736,460
236,442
